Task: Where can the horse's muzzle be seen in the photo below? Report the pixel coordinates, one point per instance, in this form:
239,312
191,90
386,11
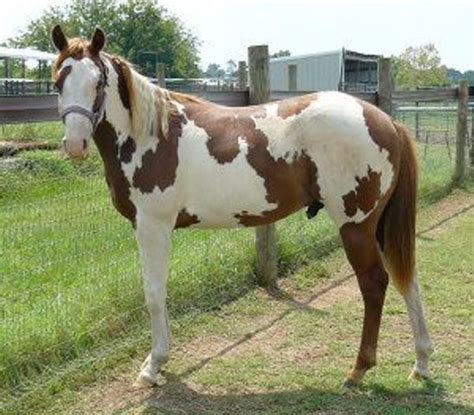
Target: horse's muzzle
76,149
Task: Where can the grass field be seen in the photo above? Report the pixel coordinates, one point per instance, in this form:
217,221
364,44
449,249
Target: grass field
288,355
44,131
70,279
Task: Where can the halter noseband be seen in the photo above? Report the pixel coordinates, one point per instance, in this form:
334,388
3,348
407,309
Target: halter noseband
98,109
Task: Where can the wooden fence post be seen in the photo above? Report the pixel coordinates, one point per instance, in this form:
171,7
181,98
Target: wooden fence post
471,151
461,131
385,86
417,121
242,76
259,93
160,74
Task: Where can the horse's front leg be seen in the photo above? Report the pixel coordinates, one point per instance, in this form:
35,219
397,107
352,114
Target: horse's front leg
154,240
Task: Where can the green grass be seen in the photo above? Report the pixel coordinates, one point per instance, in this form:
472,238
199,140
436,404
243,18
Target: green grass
265,355
44,131
70,280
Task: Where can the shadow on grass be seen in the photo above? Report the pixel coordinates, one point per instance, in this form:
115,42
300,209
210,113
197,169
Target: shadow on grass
177,397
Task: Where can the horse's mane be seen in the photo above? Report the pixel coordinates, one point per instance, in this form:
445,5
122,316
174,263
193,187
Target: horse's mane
150,106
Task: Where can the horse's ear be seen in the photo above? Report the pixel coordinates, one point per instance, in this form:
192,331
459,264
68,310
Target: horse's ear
98,41
59,39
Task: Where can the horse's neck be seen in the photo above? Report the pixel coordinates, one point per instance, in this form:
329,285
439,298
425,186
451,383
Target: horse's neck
134,113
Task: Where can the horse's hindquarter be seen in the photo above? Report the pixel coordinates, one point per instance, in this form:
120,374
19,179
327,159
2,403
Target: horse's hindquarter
356,150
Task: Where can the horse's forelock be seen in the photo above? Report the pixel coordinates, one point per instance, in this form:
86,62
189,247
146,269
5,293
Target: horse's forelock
77,48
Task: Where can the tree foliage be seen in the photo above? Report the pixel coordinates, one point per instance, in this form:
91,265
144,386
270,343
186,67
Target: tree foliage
280,54
455,76
132,27
231,67
214,70
419,67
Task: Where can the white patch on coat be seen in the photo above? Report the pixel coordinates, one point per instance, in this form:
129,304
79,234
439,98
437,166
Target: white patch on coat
282,138
115,112
421,337
216,192
333,132
212,191
79,89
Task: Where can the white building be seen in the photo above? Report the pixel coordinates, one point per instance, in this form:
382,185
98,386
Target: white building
342,70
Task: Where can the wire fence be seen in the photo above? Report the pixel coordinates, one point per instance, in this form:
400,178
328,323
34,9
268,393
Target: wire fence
70,275
434,126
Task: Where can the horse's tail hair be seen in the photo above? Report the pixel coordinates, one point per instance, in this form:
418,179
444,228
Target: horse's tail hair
399,217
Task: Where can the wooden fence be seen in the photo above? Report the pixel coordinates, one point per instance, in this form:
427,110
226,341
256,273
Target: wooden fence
21,109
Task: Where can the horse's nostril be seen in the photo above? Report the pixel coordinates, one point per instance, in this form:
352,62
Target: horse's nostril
84,144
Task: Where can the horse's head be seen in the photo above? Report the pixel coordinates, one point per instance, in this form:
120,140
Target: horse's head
80,77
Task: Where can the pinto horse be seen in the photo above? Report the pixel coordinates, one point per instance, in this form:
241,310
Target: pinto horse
174,161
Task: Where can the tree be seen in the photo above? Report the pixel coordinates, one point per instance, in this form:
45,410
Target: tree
455,76
214,70
420,67
280,54
132,27
231,67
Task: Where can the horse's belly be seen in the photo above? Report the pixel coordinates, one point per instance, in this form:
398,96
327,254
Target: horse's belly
227,206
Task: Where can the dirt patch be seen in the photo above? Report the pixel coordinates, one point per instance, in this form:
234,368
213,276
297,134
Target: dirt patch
436,219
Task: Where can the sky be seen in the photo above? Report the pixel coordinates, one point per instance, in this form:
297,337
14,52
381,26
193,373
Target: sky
227,27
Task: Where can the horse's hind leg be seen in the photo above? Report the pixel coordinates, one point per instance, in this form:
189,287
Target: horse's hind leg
362,251
423,345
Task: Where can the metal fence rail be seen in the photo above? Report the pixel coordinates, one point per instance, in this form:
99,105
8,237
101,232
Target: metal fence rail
26,87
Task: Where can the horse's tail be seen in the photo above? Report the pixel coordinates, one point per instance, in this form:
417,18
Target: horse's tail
399,217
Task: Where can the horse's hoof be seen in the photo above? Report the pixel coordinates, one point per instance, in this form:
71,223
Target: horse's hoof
145,380
349,384
420,374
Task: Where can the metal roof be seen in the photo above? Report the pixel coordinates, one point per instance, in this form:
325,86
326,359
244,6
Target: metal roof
344,51
308,55
26,53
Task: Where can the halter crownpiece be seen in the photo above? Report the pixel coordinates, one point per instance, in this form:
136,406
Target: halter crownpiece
98,109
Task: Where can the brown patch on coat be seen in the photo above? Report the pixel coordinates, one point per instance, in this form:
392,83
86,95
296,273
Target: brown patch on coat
106,139
294,106
290,185
60,78
185,219
159,166
365,195
127,149
224,126
382,131
124,81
